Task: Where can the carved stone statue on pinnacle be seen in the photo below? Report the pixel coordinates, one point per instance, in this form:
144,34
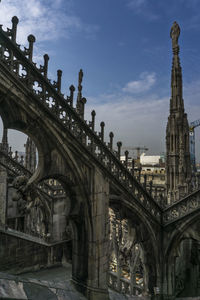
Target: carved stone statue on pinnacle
174,34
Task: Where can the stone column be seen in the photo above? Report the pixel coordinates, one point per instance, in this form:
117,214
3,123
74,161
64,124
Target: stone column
3,195
90,249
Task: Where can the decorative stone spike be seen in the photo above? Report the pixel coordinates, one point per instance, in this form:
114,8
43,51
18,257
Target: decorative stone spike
22,160
45,68
80,79
79,105
93,114
59,76
15,21
31,40
10,152
133,167
139,174
150,185
82,107
111,135
16,156
119,145
126,158
71,97
145,180
102,124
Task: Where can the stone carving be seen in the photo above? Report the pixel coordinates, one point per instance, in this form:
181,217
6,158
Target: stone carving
174,34
32,204
19,184
126,249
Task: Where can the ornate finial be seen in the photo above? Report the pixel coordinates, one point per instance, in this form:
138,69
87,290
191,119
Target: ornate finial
10,151
16,156
22,160
59,76
80,79
31,40
45,68
72,88
102,124
119,145
83,100
111,135
93,114
79,96
126,158
15,21
71,97
174,34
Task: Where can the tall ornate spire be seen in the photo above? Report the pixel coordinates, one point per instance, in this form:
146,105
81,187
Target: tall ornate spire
4,142
178,166
176,103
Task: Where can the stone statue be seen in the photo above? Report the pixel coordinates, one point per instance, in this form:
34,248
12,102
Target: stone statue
174,34
33,205
19,183
126,249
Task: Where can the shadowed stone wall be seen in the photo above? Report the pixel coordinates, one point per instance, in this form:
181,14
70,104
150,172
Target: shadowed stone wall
3,194
18,255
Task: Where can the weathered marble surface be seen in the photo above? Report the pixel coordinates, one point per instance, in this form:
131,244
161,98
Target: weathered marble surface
53,288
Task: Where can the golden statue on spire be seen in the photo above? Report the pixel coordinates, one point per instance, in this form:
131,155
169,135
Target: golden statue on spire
174,34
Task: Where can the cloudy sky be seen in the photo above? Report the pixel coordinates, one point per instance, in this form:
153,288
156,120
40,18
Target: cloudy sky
124,49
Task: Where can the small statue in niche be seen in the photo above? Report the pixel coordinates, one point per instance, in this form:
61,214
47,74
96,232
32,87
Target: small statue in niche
32,204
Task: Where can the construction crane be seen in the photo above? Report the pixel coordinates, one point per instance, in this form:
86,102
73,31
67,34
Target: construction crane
138,151
193,125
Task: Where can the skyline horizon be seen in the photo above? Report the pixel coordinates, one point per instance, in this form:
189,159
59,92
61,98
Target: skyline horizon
137,100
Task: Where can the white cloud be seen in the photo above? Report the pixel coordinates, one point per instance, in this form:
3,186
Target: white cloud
136,3
133,122
46,22
146,81
142,7
139,120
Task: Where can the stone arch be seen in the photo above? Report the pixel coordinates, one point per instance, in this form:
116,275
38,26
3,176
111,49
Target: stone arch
148,237
58,159
174,240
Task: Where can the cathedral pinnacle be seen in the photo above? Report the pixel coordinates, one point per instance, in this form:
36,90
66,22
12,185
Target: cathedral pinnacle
176,76
178,167
174,34
4,142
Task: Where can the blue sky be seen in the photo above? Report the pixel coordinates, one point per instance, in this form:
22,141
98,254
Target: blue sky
124,49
